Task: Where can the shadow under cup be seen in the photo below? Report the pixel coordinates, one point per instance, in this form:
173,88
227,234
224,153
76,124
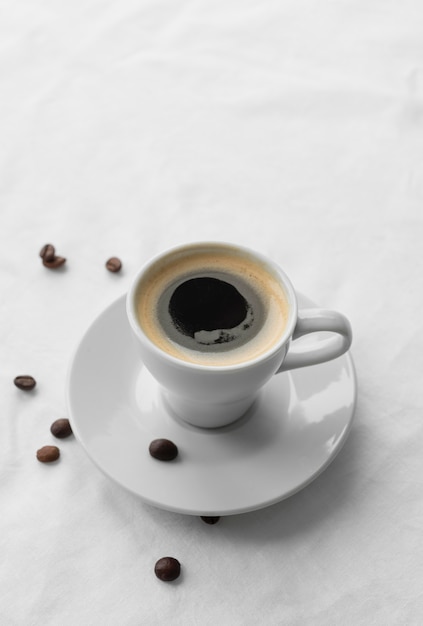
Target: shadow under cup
212,323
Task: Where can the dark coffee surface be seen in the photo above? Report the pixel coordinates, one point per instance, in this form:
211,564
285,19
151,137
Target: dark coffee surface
207,312
207,304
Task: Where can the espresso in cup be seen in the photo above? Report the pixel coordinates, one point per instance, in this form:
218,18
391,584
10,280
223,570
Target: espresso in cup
215,305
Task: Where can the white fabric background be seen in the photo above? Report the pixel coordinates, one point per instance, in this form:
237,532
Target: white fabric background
293,127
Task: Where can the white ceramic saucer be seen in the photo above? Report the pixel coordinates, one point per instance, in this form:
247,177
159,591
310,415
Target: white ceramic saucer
295,429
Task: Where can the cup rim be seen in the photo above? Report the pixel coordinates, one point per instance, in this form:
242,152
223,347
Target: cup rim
268,354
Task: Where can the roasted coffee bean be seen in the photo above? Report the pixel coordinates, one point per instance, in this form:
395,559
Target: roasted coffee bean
26,383
61,428
47,252
167,568
163,449
114,264
48,454
210,519
56,262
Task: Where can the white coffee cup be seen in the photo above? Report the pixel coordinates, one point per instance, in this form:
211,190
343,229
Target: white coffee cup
211,396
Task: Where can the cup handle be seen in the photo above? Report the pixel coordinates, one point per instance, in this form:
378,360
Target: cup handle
311,321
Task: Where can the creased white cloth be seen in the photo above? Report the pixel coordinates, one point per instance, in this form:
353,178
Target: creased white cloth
295,128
